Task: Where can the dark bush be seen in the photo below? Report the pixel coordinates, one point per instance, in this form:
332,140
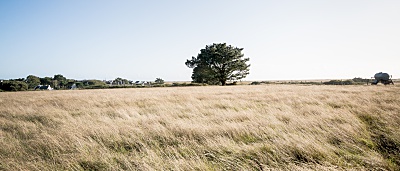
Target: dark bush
339,82
255,83
14,86
360,80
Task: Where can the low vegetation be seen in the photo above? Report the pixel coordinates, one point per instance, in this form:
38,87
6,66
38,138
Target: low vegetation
260,127
219,63
354,81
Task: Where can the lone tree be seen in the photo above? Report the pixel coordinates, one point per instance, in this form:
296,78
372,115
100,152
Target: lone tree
218,63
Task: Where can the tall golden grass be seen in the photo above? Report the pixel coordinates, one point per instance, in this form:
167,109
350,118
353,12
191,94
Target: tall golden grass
265,127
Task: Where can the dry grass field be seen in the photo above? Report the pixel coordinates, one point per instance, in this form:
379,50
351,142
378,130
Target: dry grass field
264,127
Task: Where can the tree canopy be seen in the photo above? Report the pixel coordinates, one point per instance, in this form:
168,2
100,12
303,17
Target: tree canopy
60,81
120,81
32,81
218,63
159,81
47,81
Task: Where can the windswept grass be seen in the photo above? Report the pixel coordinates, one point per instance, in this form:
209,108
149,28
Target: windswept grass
279,127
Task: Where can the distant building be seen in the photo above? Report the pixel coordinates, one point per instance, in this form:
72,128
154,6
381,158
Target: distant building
43,87
73,87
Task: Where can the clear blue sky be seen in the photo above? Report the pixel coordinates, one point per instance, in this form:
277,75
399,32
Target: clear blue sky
143,40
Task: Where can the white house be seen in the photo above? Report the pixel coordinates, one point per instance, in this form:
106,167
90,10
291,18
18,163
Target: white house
142,83
43,87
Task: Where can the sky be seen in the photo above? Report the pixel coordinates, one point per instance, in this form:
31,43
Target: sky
145,40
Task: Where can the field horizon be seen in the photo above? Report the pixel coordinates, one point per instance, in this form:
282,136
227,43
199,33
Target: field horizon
258,127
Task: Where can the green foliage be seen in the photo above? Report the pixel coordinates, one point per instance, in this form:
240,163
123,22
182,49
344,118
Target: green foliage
120,81
13,86
70,83
18,79
79,84
259,83
160,85
32,81
59,77
159,81
202,74
93,84
60,81
186,85
339,82
47,81
361,80
218,63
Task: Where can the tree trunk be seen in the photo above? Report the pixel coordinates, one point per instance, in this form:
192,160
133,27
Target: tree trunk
223,82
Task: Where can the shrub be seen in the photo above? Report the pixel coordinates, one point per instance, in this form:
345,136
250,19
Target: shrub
159,81
185,84
255,83
258,83
362,80
14,86
339,82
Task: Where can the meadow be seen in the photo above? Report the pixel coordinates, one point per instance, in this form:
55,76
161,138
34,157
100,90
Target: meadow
260,127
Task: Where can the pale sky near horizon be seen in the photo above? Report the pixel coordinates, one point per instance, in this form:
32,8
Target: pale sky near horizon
145,40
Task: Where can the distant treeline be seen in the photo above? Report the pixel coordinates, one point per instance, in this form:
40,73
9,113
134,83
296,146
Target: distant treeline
354,81
59,82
